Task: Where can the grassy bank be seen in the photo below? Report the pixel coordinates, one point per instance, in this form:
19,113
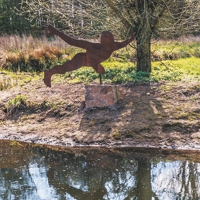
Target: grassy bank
116,72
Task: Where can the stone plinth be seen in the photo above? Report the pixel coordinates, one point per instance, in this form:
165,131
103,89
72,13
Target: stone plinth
101,95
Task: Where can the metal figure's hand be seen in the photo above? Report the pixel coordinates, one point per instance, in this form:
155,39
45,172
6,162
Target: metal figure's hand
45,27
49,28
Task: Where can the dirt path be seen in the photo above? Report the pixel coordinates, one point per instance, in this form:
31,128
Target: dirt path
164,115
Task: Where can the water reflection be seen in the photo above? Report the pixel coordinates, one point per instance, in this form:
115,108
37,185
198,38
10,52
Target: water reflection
38,173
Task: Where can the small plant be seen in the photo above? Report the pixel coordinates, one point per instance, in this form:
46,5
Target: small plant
15,143
117,135
16,103
6,82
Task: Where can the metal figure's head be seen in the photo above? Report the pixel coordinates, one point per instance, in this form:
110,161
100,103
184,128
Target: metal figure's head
107,37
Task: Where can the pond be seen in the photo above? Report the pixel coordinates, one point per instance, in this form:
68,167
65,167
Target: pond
36,172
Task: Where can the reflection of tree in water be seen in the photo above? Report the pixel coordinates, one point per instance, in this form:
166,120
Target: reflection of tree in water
176,180
16,184
94,175
110,176
15,180
189,180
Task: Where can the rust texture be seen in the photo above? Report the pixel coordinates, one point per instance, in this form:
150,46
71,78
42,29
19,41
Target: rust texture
94,55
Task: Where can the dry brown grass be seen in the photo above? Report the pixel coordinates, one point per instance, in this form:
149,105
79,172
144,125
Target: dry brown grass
25,43
29,54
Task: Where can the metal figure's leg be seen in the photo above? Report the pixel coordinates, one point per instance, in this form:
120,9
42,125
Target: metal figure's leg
76,62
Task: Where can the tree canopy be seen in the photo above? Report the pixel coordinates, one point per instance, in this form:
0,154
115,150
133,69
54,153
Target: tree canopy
10,21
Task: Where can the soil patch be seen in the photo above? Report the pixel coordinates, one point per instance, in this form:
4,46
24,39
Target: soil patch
161,115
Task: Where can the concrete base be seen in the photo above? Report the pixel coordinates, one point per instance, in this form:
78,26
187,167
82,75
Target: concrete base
101,95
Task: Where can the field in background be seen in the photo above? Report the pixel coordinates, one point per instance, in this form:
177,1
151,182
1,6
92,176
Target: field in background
172,60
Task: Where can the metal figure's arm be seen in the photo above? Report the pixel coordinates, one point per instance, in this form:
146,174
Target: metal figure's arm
119,45
66,38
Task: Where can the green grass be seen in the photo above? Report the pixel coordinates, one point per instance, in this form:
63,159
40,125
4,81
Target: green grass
172,50
176,70
118,72
10,79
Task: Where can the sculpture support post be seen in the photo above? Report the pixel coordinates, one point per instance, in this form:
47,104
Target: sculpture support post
100,77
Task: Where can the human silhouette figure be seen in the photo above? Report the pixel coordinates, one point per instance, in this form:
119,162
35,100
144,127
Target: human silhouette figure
94,55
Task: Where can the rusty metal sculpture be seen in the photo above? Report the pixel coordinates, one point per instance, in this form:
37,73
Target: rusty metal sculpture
94,55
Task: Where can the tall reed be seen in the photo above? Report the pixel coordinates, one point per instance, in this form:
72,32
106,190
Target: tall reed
27,53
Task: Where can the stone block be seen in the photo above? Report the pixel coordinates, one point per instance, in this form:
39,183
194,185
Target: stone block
101,95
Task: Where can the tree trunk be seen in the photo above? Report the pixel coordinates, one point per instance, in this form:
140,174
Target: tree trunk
144,51
143,37
143,180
